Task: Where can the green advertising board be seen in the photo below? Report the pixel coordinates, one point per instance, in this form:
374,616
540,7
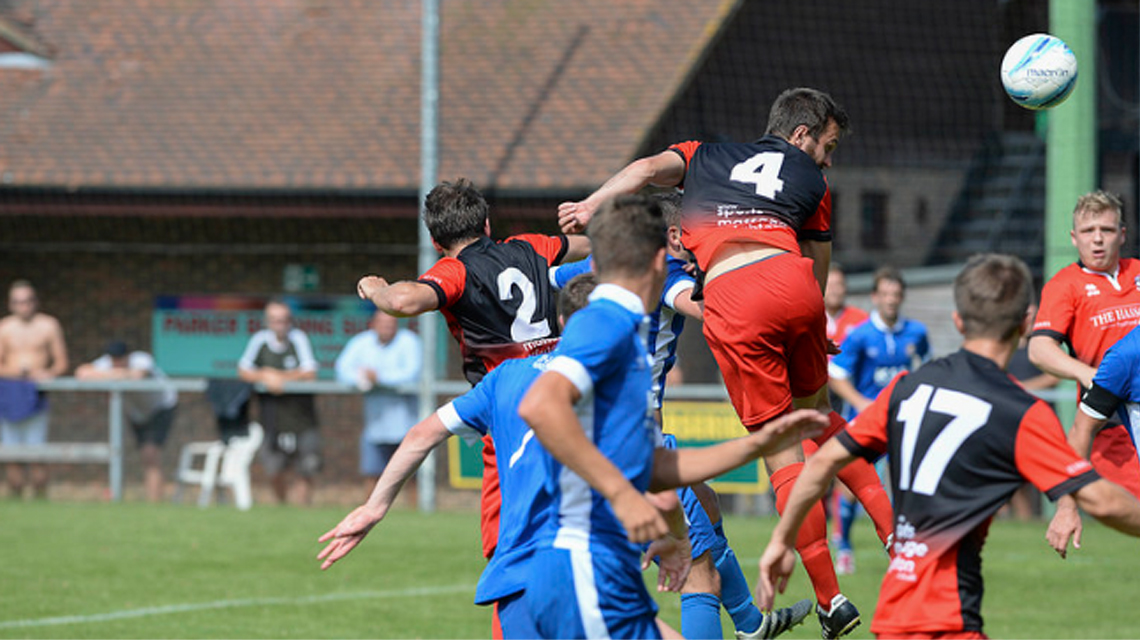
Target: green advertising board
695,424
206,335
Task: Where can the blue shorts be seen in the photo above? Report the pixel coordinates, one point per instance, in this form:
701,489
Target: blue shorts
579,594
515,618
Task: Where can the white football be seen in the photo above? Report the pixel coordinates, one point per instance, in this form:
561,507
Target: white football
1039,71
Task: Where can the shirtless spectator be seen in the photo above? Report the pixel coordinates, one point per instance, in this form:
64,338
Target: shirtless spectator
31,350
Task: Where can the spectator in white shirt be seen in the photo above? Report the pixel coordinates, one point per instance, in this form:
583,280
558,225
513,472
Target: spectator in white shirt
376,360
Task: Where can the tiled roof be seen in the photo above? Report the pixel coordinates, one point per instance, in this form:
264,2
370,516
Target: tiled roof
318,94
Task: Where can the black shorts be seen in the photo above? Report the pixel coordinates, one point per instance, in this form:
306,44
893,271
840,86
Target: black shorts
301,450
154,429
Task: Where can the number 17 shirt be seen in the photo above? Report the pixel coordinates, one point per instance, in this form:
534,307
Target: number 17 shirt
962,437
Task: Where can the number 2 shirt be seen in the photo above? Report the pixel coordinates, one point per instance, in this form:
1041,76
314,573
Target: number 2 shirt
767,191
962,437
497,299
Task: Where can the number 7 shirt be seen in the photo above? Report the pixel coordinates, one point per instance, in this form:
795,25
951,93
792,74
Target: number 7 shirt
962,437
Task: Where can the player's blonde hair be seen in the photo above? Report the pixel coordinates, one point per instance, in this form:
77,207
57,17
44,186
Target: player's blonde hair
1096,202
992,294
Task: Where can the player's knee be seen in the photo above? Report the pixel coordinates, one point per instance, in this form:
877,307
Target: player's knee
703,576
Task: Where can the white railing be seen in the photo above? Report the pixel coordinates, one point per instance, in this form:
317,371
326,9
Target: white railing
112,452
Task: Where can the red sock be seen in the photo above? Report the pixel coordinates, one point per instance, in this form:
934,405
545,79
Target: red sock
811,543
861,478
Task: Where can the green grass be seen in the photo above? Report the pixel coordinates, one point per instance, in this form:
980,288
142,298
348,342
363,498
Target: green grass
167,571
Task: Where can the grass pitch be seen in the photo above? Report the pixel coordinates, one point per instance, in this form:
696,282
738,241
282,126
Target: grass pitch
170,571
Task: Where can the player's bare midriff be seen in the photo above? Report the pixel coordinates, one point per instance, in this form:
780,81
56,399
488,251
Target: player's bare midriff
733,255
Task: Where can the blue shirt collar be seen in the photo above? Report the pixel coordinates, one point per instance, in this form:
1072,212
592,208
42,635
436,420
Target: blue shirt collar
620,296
877,320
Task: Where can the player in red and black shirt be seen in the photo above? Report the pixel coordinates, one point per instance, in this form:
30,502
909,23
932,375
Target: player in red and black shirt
1089,305
757,218
962,436
496,296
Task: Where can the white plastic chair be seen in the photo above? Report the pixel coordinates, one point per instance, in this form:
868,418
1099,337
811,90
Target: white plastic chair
223,465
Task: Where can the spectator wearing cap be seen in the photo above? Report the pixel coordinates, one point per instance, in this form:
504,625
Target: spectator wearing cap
150,413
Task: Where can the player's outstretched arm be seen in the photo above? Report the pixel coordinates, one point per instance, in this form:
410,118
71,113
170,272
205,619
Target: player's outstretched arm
665,169
416,446
548,407
674,468
779,559
400,299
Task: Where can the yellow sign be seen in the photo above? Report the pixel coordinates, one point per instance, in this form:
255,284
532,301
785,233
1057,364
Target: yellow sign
694,424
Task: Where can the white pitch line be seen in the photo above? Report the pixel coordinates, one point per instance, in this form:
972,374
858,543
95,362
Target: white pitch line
229,604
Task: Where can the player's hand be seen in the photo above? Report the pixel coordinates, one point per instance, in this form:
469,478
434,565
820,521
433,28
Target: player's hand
369,286
675,558
789,429
345,536
574,216
832,348
1065,525
642,521
776,567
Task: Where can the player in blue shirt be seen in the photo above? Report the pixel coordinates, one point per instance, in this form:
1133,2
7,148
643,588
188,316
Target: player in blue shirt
592,410
716,576
874,353
489,408
1115,390
881,348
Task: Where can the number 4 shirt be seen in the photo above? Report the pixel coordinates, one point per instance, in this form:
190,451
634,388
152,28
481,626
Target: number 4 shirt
962,437
767,191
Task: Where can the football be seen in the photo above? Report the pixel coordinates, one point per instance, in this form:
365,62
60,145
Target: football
1039,71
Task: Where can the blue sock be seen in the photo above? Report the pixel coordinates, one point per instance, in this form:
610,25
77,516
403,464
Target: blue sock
736,595
848,509
700,616
720,542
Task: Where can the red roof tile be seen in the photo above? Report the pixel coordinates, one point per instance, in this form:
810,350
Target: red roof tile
325,93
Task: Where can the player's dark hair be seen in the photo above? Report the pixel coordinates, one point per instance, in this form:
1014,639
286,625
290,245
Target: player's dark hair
625,235
576,294
803,106
992,294
1097,202
887,274
670,203
454,212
